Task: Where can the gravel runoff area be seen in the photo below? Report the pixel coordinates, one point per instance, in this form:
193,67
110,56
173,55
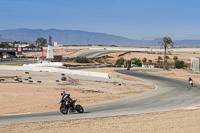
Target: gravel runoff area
172,121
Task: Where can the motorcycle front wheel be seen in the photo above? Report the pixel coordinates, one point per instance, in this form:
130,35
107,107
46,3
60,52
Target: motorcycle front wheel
64,110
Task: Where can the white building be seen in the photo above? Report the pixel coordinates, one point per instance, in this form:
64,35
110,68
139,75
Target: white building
21,45
56,44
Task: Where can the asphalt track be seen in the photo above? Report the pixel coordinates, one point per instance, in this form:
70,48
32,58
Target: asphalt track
170,94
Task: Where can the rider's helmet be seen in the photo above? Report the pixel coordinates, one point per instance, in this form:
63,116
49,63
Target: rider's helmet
62,93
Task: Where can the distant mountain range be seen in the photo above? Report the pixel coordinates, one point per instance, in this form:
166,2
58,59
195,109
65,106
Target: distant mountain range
77,37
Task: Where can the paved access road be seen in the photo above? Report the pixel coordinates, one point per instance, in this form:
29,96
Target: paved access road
170,94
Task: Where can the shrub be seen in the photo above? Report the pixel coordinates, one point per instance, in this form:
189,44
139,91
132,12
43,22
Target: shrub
175,58
150,62
128,63
167,57
159,59
137,62
120,61
179,64
144,60
82,60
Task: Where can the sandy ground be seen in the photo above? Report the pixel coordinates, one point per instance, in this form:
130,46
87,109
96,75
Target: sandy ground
38,97
185,56
111,73
164,122
178,74
181,121
63,51
173,121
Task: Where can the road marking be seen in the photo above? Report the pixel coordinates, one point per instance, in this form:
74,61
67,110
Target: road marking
18,114
189,108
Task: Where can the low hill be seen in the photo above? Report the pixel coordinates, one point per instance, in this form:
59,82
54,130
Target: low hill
77,37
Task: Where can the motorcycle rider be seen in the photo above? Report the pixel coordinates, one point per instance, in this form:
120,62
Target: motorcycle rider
66,97
190,81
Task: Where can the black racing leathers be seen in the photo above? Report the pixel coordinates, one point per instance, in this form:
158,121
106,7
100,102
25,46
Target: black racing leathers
66,97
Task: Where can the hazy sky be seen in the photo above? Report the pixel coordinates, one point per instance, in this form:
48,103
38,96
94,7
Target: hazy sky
135,19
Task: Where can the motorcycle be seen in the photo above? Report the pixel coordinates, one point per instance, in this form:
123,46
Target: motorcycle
67,107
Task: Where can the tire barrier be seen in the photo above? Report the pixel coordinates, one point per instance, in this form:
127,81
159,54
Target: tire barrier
2,80
39,81
29,77
63,78
16,78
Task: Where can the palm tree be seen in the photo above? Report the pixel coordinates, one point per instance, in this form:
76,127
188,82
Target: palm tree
167,41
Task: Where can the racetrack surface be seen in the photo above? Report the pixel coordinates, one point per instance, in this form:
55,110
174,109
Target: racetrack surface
170,94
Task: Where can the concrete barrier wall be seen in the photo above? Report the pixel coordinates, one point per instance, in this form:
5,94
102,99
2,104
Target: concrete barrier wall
57,70
45,64
87,67
148,66
127,48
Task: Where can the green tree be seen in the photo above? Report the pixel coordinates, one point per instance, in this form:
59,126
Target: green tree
167,41
167,57
41,42
120,61
137,61
128,63
159,59
4,44
179,64
175,58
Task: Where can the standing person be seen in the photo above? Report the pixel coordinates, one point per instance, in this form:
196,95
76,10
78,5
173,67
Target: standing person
190,81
